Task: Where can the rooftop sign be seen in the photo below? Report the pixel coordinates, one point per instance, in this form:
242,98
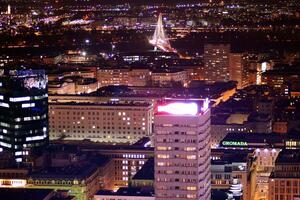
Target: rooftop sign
234,143
179,108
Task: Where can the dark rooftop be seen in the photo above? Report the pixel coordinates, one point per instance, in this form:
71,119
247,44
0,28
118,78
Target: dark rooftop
71,172
24,194
113,104
146,172
86,145
254,139
131,191
288,156
228,156
221,194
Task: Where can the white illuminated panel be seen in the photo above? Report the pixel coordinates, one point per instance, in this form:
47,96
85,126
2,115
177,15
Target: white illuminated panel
39,137
6,105
5,144
1,97
179,108
4,124
19,99
28,105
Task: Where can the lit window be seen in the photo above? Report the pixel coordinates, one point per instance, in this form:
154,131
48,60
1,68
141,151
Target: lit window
28,105
162,156
19,99
191,188
161,164
6,105
190,148
191,157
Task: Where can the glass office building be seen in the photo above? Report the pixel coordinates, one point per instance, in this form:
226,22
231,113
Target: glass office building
23,112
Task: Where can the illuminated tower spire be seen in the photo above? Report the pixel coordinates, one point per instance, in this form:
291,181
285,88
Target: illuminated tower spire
159,39
8,10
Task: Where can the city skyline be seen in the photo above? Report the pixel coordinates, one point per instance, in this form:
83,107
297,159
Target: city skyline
149,100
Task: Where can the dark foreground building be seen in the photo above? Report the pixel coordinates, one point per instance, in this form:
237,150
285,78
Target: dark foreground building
23,111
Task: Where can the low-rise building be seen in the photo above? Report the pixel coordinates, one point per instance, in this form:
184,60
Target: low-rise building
107,122
238,123
169,77
139,77
76,57
82,181
230,167
112,76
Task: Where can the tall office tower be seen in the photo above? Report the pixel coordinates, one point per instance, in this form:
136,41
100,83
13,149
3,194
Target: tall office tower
238,69
182,151
23,111
216,62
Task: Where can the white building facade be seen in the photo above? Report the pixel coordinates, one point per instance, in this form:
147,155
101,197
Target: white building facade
110,122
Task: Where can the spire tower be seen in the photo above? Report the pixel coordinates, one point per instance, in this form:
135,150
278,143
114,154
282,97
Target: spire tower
159,39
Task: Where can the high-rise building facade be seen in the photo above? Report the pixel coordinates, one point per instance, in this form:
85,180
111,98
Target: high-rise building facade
238,69
182,151
216,62
23,111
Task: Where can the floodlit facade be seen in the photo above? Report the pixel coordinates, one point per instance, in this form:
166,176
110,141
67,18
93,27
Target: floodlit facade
182,151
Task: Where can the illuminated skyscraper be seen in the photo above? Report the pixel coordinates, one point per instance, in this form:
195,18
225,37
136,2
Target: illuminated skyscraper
182,151
238,70
23,111
216,62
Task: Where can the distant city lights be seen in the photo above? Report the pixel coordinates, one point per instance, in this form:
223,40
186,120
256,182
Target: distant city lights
83,53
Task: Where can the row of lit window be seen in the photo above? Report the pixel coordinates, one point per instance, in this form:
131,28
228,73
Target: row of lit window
166,156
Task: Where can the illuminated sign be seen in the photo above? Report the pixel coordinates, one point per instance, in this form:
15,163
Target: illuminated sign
234,143
179,108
